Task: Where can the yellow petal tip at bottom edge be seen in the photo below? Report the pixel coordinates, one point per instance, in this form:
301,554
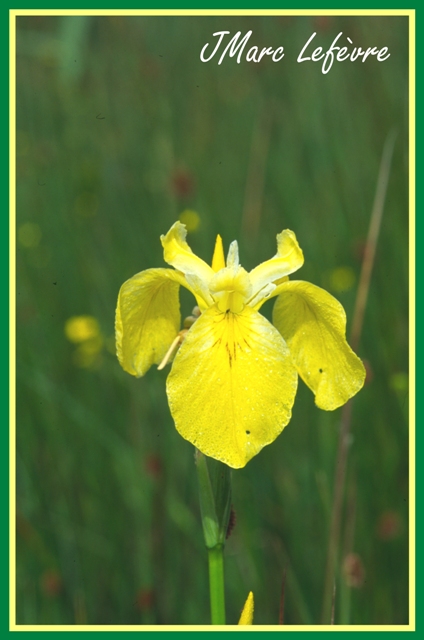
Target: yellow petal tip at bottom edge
246,617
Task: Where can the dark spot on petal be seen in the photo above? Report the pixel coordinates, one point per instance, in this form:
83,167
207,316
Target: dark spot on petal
320,370
230,357
248,433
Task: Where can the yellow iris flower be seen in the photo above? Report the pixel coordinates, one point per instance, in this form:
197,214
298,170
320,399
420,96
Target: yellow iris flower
234,378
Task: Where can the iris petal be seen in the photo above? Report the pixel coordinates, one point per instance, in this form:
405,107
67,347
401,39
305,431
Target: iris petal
218,259
178,254
233,255
313,324
147,318
232,385
289,258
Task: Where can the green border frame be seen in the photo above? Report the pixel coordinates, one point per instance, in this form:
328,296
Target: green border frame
414,268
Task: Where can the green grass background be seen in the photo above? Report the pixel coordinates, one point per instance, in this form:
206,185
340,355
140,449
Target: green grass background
120,128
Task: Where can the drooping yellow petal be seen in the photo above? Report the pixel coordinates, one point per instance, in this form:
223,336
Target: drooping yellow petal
147,318
289,258
247,613
232,385
178,254
313,324
218,259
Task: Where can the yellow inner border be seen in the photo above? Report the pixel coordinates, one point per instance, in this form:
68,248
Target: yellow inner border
12,315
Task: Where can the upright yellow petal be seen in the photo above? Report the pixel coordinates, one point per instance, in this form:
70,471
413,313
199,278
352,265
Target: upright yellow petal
247,613
147,318
218,259
232,385
313,324
289,258
178,254
233,255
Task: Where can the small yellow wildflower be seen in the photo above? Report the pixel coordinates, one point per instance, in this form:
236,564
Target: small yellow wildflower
342,279
399,381
81,328
233,381
85,332
190,219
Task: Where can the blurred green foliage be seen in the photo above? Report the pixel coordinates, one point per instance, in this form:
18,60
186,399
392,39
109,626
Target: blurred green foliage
121,128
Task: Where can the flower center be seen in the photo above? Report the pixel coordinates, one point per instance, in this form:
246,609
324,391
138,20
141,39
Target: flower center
230,289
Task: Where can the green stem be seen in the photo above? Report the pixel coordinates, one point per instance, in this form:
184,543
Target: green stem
215,506
216,584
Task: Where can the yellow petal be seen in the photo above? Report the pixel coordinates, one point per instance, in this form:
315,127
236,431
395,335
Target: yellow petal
313,324
247,613
232,385
147,318
289,258
218,260
178,254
